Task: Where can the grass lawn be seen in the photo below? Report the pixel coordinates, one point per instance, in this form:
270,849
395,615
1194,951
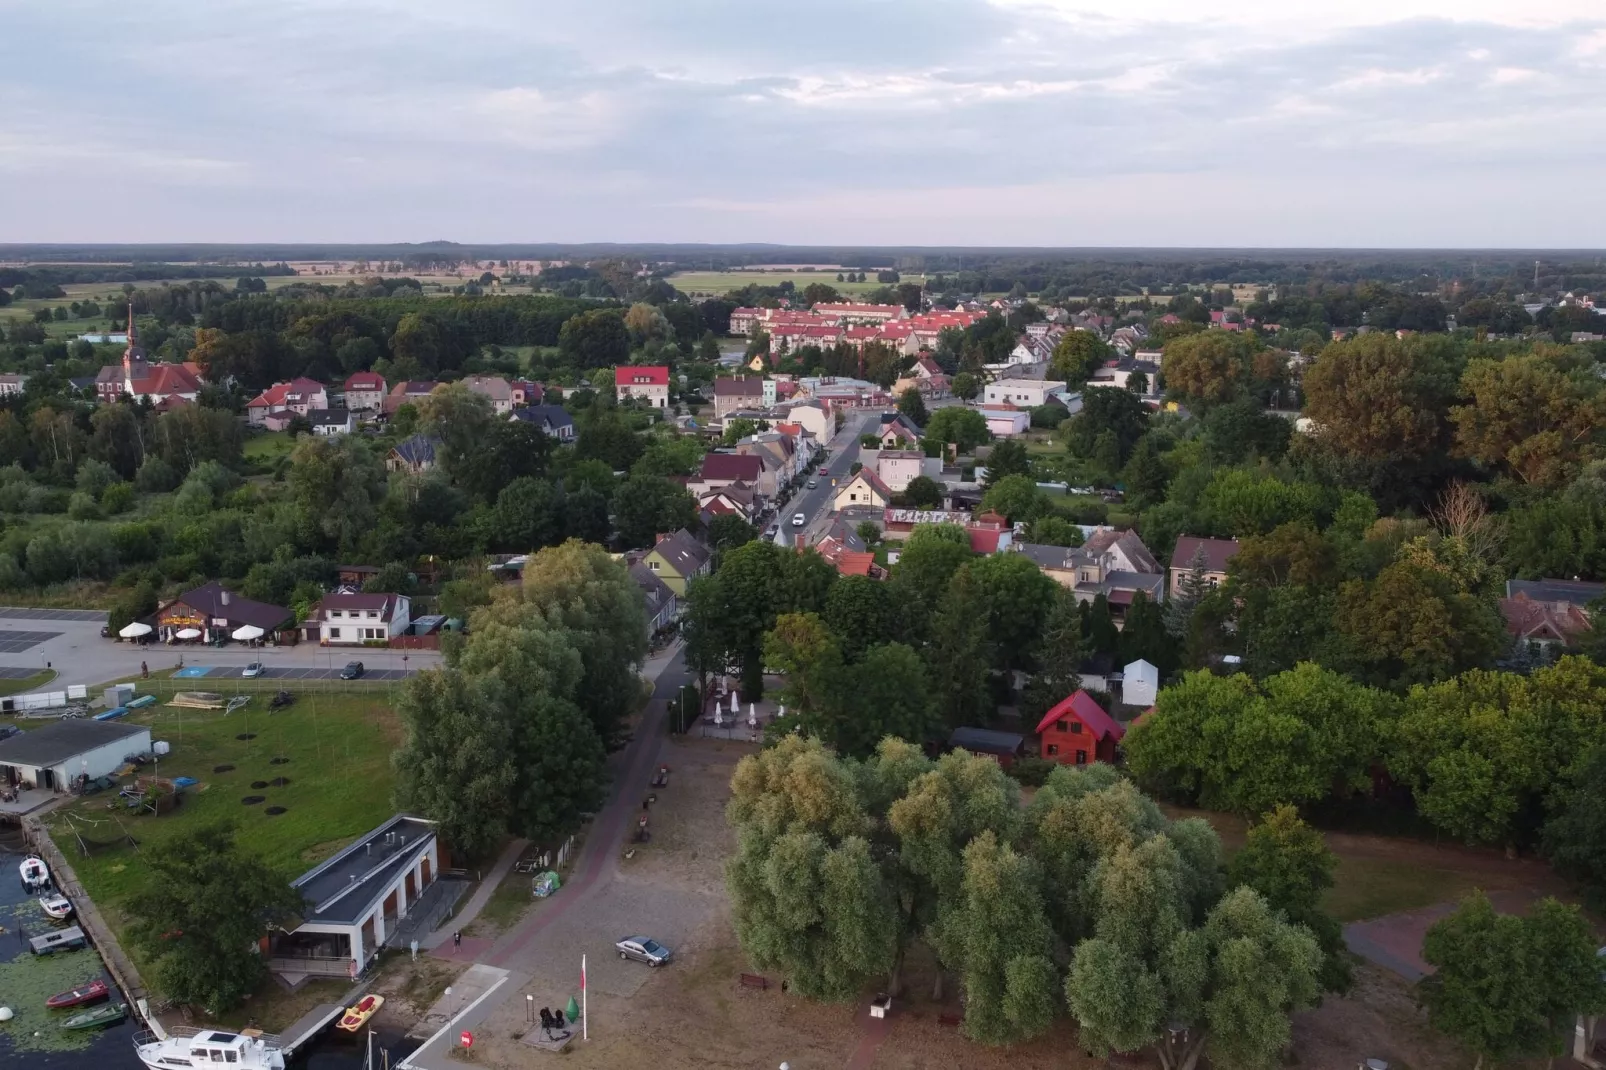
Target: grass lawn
266,447
340,780
721,282
36,682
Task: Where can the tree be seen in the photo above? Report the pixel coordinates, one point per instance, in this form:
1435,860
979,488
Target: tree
1144,636
1481,992
923,492
1007,458
201,914
1381,399
930,557
912,405
1077,356
965,386
1530,416
336,485
1054,531
1117,412
1146,475
1290,865
606,438
1241,429
1015,498
460,422
1575,837
860,612
1192,586
728,531
646,506
960,653
1208,368
529,514
1411,625
964,428
595,339
1059,655
1017,598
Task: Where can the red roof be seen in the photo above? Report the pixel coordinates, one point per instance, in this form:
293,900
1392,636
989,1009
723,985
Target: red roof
365,381
984,540
1082,707
643,375
167,379
282,394
851,563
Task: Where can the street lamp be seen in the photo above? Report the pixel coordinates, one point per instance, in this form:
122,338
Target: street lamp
529,1008
449,1015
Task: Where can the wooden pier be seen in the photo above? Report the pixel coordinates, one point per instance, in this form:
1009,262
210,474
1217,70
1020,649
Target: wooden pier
308,1026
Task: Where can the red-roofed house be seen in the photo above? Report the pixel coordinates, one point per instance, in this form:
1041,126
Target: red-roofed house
1078,731
140,379
722,469
648,382
526,392
300,396
365,390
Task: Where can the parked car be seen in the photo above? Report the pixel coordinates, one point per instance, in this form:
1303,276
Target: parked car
643,949
352,670
798,520
9,730
253,669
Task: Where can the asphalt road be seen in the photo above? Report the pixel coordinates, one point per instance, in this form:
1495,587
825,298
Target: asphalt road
816,504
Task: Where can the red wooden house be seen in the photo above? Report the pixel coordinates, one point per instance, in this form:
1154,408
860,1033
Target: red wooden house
1078,731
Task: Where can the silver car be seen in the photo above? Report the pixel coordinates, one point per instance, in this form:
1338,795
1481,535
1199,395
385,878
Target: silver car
643,949
253,669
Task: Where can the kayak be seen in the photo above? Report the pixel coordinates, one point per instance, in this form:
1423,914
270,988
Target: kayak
110,1014
82,994
358,1013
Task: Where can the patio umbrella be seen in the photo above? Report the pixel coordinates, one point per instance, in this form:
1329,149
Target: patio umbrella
187,633
248,631
134,630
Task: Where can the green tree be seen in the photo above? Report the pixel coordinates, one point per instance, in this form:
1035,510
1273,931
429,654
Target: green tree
1192,586
1480,992
1146,475
1007,458
1117,412
201,913
529,514
965,386
1077,356
1143,635
595,339
1015,498
964,428
1290,865
884,694
1054,531
1412,625
1060,652
1575,837
861,612
923,492
1211,367
928,561
960,653
1017,598
1531,416
647,506
912,405
1380,399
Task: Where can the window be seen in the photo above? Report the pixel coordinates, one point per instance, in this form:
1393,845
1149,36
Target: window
230,1056
1076,727
1053,749
1060,726
1081,757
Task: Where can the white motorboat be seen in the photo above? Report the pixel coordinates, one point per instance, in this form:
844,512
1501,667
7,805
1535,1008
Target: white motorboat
35,874
182,1047
56,906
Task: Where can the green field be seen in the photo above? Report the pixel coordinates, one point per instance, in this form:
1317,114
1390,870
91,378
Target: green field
339,776
716,283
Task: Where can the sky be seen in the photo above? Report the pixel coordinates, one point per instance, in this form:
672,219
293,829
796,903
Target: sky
1250,123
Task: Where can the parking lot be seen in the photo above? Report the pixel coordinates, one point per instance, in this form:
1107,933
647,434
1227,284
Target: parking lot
214,671
17,642
22,613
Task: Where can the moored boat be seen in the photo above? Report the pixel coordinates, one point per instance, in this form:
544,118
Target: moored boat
73,997
358,1013
97,1018
161,1049
35,874
69,939
56,906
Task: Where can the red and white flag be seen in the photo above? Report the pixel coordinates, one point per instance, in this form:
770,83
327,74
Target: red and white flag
582,973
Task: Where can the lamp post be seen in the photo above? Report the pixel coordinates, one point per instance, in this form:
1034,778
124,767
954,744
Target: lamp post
529,1008
449,1015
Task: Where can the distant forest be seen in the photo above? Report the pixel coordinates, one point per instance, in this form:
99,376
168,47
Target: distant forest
1091,272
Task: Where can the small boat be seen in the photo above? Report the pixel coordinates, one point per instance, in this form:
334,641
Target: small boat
97,1017
82,994
35,874
69,939
56,906
358,1013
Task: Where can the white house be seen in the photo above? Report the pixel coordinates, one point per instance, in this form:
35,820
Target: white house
50,757
1140,684
328,422
12,383
1022,393
354,619
650,382
1006,422
365,391
864,490
356,899
898,468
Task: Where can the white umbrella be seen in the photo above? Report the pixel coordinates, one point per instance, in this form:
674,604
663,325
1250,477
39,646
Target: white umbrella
187,633
134,630
248,631
735,707
717,721
752,715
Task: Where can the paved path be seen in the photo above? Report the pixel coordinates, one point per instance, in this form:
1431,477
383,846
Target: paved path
476,902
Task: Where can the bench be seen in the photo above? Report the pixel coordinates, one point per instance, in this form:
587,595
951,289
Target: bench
753,980
948,1019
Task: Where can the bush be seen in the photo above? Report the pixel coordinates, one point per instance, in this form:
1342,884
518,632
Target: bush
82,506
1032,771
117,498
156,476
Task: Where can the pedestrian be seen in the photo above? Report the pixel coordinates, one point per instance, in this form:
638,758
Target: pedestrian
144,671
457,941
414,948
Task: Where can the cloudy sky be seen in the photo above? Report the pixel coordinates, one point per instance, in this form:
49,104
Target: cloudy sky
928,122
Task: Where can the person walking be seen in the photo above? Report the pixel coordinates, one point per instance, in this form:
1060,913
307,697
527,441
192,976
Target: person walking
457,941
144,671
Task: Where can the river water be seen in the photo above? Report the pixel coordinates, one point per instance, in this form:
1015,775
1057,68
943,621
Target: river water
32,1039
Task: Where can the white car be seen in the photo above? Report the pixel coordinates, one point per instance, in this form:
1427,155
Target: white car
253,669
798,520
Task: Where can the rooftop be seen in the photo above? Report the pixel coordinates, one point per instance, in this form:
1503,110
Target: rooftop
986,741
63,740
344,887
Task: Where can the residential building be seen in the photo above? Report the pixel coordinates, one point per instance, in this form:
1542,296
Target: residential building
663,605
1118,373
1021,393
721,469
812,417
864,490
554,420
1544,617
1005,748
1005,421
301,396
408,392
898,468
650,383
355,619
526,392
139,379
844,549
53,756
356,899
847,312
329,422
12,383
1140,684
1113,563
414,454
494,389
1211,554
744,320
365,392
732,499
1078,732
677,559
897,431
738,392
213,614
989,533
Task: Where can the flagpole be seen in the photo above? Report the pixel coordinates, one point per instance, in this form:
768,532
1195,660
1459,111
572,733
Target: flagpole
585,1003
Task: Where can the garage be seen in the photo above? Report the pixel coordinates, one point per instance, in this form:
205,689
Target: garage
50,757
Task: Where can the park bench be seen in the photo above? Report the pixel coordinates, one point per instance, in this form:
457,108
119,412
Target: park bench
753,980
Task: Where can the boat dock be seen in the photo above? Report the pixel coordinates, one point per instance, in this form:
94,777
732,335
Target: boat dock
308,1026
